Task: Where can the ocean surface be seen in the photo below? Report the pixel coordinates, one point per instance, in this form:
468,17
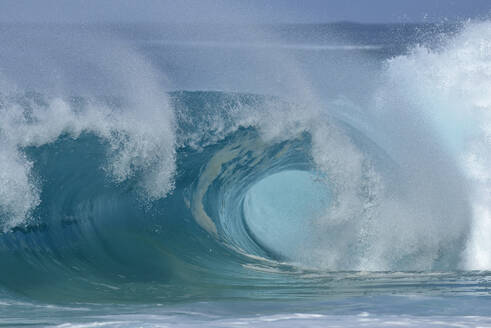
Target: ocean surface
329,175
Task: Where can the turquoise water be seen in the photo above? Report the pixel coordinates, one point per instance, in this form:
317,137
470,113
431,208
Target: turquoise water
296,175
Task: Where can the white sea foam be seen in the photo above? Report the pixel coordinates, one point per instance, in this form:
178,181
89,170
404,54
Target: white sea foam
450,89
293,320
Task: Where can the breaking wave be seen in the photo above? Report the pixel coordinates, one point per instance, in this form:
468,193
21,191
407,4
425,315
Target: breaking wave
120,183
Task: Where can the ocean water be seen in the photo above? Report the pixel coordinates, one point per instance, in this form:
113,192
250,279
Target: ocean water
332,175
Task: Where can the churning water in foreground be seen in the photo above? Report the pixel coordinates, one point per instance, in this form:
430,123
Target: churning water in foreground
316,175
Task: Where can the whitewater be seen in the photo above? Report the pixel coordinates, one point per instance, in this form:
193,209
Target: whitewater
265,176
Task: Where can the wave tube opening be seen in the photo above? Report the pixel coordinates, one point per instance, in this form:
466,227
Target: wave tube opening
280,210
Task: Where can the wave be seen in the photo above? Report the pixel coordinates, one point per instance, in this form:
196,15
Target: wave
245,45
214,190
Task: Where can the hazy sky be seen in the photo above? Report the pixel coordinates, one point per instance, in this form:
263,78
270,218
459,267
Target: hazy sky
244,11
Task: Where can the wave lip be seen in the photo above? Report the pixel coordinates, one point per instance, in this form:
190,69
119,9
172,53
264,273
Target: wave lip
120,101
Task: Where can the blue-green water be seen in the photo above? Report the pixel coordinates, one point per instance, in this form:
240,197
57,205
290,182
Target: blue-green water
295,175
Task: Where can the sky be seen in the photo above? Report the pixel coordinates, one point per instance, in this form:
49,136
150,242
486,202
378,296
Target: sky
241,11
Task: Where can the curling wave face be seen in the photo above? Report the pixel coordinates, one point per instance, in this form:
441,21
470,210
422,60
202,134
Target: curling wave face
152,194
